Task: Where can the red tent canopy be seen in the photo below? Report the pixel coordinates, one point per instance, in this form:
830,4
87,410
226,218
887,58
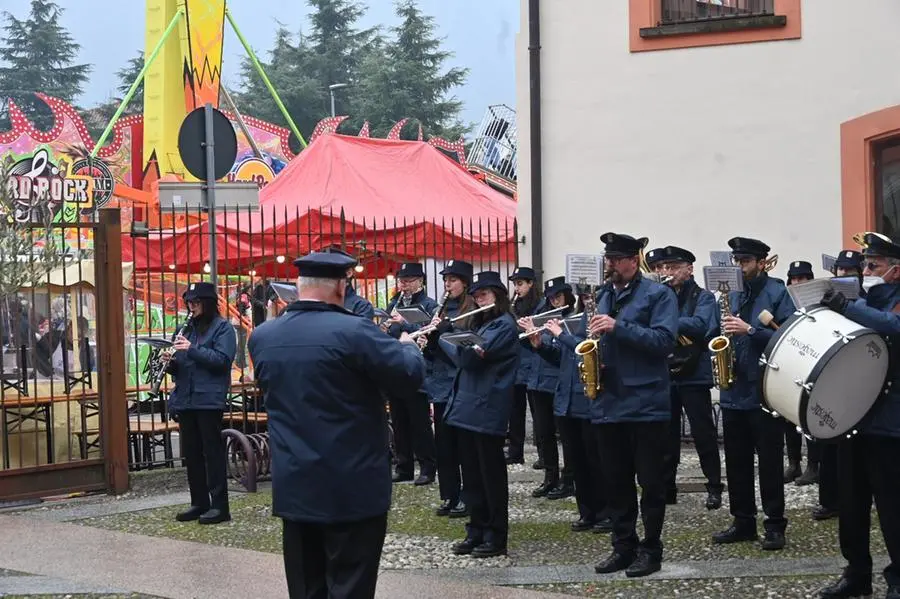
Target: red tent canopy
386,200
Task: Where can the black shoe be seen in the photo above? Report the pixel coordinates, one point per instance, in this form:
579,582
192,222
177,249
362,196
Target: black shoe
614,563
810,477
734,534
399,477
713,499
773,541
581,525
671,496
488,549
192,513
424,479
847,587
515,459
644,565
792,472
824,513
445,508
466,547
543,489
538,464
215,516
460,510
561,491
604,525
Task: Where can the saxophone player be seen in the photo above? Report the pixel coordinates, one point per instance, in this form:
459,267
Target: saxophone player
747,429
201,369
637,322
410,414
691,374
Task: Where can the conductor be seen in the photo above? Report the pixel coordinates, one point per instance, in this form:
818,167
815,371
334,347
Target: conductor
318,365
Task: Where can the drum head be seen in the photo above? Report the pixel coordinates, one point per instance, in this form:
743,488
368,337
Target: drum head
846,383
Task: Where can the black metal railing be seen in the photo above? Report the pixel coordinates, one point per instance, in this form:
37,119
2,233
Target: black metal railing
167,251
687,11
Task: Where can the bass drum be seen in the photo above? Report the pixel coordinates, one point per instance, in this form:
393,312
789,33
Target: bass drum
823,372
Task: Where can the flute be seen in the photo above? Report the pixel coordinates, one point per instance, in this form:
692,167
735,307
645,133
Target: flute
432,327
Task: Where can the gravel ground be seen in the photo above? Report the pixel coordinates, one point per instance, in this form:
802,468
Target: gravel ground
81,596
539,528
782,587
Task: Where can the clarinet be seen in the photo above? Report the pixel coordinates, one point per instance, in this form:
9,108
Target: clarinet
158,366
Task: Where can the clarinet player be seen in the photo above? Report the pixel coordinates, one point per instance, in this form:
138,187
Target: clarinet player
201,368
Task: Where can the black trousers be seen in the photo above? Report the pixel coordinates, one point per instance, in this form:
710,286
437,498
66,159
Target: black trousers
447,441
793,442
630,449
485,486
516,431
828,476
204,455
324,561
412,434
581,454
869,467
697,404
545,433
749,432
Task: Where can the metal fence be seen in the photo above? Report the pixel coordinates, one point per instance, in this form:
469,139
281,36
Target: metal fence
255,249
686,11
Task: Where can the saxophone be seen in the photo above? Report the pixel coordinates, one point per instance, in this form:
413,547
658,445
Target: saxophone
722,349
157,367
591,364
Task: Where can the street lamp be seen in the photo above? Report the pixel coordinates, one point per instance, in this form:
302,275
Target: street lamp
331,89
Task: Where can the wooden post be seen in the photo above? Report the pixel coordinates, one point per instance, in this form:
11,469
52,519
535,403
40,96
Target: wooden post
110,351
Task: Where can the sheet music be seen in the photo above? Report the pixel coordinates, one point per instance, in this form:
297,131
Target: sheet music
828,262
463,339
540,320
811,292
584,269
572,324
720,259
414,314
286,293
715,276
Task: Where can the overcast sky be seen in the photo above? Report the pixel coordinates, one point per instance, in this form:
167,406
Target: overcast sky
480,32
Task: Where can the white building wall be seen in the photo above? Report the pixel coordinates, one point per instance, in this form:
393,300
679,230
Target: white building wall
693,146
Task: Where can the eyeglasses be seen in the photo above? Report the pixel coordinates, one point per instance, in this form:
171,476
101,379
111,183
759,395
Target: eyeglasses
871,265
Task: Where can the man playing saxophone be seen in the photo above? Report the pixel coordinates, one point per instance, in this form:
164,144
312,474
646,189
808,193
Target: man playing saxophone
691,374
747,428
637,324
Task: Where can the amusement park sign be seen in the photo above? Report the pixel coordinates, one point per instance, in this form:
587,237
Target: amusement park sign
36,185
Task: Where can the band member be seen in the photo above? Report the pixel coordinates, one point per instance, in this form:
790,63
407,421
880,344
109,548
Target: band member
439,384
410,415
869,463
748,429
636,321
318,366
201,369
654,260
691,375
525,303
479,409
800,272
352,302
848,264
559,369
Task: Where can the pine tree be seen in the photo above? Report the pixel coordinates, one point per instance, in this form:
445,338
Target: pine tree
127,76
37,56
409,80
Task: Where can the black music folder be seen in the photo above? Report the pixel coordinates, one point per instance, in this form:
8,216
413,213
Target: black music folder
463,339
414,314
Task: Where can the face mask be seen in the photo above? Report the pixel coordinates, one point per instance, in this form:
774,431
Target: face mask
870,281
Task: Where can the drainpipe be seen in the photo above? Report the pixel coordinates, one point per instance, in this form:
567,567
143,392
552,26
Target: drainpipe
534,75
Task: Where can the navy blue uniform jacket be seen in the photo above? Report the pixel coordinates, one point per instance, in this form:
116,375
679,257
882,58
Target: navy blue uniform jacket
700,327
880,311
483,388
357,304
636,351
321,370
558,354
439,383
762,293
202,374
